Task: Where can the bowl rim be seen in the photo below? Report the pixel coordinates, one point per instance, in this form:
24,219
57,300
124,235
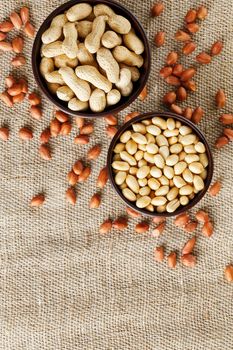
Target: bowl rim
39,79
185,121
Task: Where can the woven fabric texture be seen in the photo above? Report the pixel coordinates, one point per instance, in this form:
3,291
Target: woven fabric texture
65,287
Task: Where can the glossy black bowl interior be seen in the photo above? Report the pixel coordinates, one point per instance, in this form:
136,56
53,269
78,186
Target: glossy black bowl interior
138,85
164,115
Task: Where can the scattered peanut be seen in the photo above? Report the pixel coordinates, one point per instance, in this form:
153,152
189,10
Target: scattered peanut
84,174
159,39
25,134
29,30
226,119
197,115
202,216
132,212
215,188
171,260
37,200
229,273
189,245
190,226
95,201
165,72
87,129
72,178
142,227
6,26
105,226
181,220
111,130
94,152
78,121
17,45
78,167
220,99
24,14
228,133
120,224
188,260
36,112
18,61
55,127
172,58
202,13
203,58
81,139
157,9
4,133
111,119
45,136
102,178
44,152
190,16
216,48
182,36
188,48
221,142
207,229
5,46
71,195
34,99
158,230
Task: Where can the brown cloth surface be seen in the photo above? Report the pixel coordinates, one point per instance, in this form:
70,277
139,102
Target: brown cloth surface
65,287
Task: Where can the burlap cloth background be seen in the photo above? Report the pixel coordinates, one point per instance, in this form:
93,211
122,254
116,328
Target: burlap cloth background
62,286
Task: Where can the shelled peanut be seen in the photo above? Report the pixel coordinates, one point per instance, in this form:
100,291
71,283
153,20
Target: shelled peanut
160,164
91,57
225,119
16,90
176,75
18,22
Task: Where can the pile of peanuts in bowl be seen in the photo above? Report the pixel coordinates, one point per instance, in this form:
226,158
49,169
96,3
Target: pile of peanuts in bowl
91,57
159,164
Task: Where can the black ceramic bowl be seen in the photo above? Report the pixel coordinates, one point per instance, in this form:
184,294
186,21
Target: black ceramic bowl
164,115
144,70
